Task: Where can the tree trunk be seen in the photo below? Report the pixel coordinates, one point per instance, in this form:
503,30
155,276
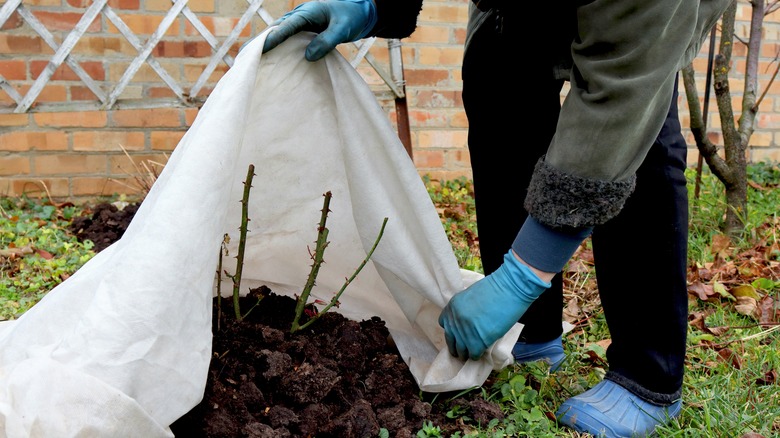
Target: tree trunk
731,169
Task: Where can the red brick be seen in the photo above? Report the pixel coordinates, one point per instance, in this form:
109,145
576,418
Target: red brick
32,44
426,33
160,92
444,175
115,4
64,73
218,26
44,2
458,159
104,46
111,141
440,56
197,49
14,120
40,188
145,25
190,114
194,5
94,186
442,139
64,20
14,165
428,158
13,70
157,5
169,49
78,93
52,93
144,118
201,5
444,13
33,140
145,73
426,99
460,36
69,164
459,120
125,4
425,77
145,166
6,101
428,118
192,73
165,140
15,21
84,119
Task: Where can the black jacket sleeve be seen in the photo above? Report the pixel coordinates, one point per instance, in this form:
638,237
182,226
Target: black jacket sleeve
396,18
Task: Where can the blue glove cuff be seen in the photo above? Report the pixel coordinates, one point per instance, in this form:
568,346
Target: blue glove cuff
520,275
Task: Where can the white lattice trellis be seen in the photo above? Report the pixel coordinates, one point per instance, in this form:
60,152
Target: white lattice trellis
108,94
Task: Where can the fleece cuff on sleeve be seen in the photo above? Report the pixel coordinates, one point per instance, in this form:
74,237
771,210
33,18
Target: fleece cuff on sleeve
562,200
547,249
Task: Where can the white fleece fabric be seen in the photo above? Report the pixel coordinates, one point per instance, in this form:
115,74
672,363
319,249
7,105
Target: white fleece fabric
122,347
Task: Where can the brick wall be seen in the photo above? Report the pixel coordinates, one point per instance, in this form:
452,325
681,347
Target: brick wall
67,147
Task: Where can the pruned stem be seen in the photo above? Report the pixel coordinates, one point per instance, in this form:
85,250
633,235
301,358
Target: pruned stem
242,241
222,251
335,300
319,253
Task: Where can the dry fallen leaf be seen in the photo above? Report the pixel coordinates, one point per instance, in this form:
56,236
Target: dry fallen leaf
728,356
572,311
717,331
769,378
766,310
720,246
747,306
45,254
745,290
701,290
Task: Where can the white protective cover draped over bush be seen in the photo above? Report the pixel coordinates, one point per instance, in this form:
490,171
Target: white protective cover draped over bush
122,347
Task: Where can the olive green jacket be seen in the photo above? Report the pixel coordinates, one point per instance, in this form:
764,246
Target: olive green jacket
621,64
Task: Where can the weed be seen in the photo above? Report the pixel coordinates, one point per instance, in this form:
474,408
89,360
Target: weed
429,431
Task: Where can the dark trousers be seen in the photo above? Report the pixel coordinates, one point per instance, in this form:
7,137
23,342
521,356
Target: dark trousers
512,103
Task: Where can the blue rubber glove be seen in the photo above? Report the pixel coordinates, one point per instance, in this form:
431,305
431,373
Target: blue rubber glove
481,314
336,21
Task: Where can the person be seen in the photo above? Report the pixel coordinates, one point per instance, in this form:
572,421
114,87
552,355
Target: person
607,163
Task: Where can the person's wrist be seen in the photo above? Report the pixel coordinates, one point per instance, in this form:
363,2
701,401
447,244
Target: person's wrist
546,248
544,276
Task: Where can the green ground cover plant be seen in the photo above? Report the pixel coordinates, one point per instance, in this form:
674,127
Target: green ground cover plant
36,252
731,386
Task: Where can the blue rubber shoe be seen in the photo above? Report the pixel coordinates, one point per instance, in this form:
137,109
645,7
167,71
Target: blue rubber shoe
610,411
550,352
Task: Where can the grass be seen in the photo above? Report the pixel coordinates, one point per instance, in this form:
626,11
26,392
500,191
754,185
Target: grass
731,385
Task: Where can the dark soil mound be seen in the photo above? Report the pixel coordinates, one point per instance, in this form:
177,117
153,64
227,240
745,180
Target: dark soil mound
103,225
336,378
